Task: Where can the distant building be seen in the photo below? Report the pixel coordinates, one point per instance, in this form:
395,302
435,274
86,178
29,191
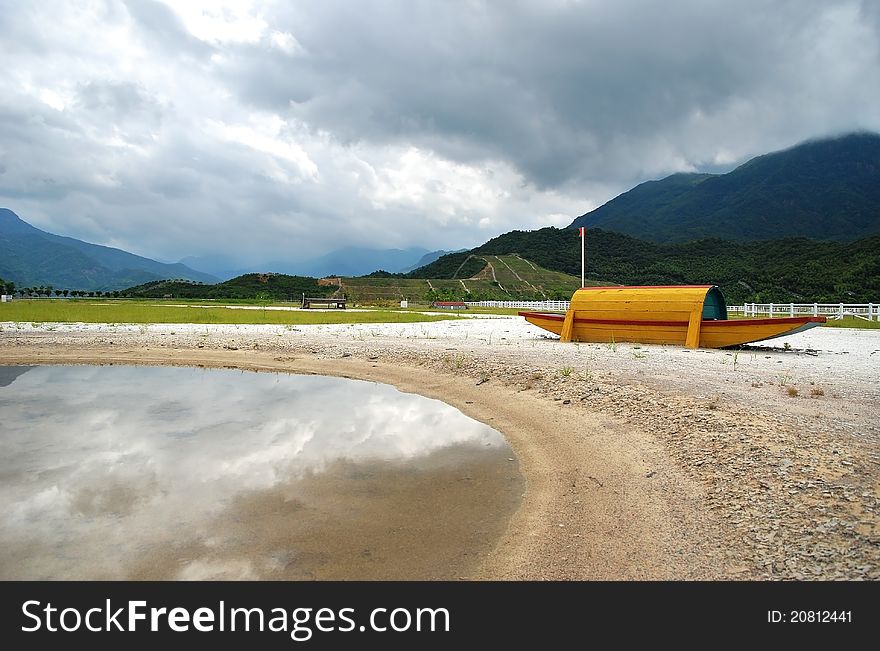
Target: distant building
5,298
323,282
450,305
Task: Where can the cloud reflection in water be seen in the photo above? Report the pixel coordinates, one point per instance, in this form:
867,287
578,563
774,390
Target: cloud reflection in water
111,459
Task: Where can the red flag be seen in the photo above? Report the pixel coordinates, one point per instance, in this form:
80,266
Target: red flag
581,229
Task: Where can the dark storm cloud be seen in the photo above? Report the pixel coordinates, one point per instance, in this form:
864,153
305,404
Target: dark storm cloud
565,90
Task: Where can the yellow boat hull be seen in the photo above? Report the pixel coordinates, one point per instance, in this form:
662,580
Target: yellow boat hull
712,333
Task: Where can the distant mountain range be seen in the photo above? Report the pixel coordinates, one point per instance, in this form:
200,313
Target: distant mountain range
428,258
30,257
822,189
348,261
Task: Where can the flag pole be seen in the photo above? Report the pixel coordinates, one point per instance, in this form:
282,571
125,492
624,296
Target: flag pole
583,239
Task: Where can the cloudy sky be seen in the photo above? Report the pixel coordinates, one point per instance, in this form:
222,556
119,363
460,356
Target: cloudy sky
264,130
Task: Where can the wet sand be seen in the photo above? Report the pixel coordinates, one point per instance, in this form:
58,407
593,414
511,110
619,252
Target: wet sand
640,463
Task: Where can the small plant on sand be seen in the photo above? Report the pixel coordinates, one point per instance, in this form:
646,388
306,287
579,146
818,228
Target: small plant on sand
786,346
459,360
792,392
817,391
565,371
612,345
637,354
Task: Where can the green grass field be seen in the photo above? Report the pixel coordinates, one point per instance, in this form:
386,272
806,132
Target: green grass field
133,311
852,322
845,322
148,311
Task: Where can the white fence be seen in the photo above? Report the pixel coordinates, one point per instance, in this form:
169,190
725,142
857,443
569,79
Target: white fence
867,311
560,306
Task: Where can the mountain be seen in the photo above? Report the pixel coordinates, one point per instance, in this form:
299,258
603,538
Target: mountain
221,266
822,189
31,257
348,261
352,261
510,277
428,258
785,270
279,287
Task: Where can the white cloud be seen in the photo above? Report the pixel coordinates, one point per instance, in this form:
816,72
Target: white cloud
263,133
219,21
286,42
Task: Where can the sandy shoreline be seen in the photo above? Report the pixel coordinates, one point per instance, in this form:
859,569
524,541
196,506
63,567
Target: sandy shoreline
641,462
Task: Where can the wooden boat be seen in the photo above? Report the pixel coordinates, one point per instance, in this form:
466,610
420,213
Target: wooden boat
694,316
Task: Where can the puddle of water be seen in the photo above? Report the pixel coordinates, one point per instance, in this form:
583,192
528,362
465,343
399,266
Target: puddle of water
179,473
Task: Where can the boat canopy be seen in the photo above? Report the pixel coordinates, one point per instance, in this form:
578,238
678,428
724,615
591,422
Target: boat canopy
664,304
714,306
660,303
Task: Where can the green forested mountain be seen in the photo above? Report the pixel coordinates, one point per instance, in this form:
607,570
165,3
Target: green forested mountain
822,189
279,287
794,269
453,265
31,257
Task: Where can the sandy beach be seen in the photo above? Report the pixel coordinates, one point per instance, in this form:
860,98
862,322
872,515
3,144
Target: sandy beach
641,462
